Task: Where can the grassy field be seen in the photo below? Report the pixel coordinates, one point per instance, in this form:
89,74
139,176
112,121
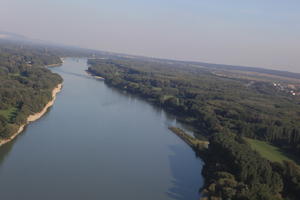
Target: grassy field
269,151
9,114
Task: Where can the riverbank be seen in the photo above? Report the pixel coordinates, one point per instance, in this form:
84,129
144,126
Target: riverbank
54,65
94,75
62,60
35,116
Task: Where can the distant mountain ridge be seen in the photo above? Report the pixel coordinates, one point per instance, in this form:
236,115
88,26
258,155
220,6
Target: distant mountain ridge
249,69
21,38
212,66
12,36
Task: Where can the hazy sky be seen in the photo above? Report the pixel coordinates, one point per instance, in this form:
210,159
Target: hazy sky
246,32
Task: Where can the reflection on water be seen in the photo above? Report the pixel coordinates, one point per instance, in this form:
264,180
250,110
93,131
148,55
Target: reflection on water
5,149
97,142
170,118
185,185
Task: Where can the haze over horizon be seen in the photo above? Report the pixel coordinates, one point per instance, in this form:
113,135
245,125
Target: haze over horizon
251,33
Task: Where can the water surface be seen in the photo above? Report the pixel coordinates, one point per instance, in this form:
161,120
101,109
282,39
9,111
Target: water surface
98,143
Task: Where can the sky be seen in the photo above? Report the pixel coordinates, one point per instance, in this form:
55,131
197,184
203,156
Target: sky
262,33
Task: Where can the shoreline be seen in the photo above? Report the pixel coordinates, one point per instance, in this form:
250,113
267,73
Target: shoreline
196,145
36,116
193,142
94,76
54,65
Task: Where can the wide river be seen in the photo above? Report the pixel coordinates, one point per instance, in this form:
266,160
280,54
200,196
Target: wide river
98,143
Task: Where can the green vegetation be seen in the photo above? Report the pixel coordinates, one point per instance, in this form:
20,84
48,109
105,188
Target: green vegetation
25,84
234,171
269,151
10,113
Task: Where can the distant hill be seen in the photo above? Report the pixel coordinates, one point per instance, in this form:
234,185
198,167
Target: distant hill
249,69
12,36
20,38
213,66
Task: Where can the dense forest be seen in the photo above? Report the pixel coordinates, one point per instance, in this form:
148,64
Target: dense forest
25,84
223,109
234,171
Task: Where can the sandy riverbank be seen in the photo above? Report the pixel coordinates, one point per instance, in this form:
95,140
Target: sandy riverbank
94,76
35,116
54,65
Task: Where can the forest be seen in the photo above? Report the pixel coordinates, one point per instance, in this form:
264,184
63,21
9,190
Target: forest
25,84
234,171
224,110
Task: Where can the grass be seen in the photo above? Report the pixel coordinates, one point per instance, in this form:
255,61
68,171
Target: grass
9,114
270,152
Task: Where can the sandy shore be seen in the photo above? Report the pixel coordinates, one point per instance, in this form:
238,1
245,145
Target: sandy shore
54,65
35,116
94,76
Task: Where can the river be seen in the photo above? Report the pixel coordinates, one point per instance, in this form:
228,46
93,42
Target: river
98,143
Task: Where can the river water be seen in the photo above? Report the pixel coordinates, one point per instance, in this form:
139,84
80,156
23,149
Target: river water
98,143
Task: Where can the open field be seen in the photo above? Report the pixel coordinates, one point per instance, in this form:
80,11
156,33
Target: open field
270,152
9,114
